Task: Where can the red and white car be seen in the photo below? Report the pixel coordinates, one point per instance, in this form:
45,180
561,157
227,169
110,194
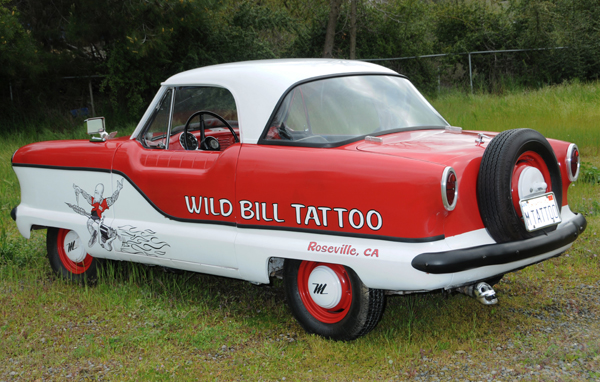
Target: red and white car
336,175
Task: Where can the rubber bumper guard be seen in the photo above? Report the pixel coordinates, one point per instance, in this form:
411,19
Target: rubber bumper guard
495,254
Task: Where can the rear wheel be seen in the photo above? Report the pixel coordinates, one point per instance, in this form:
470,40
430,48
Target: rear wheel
68,257
330,300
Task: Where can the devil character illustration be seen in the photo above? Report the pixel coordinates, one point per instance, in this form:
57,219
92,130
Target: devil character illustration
100,232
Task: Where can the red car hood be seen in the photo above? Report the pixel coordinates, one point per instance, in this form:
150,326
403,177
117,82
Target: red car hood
438,146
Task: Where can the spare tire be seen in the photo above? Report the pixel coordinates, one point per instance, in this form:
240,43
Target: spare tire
508,156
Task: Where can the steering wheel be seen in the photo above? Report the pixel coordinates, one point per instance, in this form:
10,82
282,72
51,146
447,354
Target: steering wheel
203,139
285,132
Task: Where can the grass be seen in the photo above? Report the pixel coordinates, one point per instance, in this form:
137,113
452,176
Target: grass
141,323
568,112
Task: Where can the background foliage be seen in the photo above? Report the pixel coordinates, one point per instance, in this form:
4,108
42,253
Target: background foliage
137,44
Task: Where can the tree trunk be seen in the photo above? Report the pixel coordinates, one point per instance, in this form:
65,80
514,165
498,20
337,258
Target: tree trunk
334,11
353,29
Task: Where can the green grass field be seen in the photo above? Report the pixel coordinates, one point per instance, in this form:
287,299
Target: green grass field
141,323
567,112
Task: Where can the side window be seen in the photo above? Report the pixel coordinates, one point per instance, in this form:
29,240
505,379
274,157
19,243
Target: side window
155,133
190,99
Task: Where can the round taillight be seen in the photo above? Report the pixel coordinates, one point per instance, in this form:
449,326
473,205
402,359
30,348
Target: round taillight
449,188
572,162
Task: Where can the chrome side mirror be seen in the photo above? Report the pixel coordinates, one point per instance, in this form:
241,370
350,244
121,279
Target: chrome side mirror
95,125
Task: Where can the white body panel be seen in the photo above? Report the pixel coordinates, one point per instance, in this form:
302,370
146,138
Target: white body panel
230,251
258,85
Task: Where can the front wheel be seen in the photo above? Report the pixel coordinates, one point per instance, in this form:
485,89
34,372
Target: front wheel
68,257
330,300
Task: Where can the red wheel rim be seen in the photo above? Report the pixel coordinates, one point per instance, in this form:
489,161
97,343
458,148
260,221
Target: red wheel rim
527,159
70,265
328,316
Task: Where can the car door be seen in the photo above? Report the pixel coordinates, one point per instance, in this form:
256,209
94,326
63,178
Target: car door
181,200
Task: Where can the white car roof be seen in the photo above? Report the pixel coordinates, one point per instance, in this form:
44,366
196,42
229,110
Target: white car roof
257,86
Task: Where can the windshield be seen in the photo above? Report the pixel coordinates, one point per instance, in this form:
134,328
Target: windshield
339,109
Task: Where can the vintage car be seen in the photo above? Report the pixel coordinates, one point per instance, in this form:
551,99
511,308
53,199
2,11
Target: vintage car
337,176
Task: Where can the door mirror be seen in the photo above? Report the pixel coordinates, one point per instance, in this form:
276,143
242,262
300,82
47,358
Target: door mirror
95,125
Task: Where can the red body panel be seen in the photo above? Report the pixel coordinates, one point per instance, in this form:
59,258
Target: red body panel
167,177
438,146
460,152
389,189
447,149
330,178
560,150
75,153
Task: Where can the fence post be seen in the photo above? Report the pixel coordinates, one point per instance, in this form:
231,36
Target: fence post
470,73
92,98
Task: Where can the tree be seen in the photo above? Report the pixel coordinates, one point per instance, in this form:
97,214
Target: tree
334,11
18,50
353,29
138,43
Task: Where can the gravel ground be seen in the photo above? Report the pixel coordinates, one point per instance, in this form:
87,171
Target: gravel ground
569,329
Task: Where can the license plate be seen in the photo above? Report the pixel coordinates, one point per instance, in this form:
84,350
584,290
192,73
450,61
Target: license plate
540,212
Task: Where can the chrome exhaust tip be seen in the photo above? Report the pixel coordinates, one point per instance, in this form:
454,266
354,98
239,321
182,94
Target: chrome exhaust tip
483,292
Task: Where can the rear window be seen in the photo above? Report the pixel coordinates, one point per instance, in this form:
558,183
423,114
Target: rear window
335,110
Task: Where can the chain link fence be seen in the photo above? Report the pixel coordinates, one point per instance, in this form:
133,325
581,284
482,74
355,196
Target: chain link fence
488,69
